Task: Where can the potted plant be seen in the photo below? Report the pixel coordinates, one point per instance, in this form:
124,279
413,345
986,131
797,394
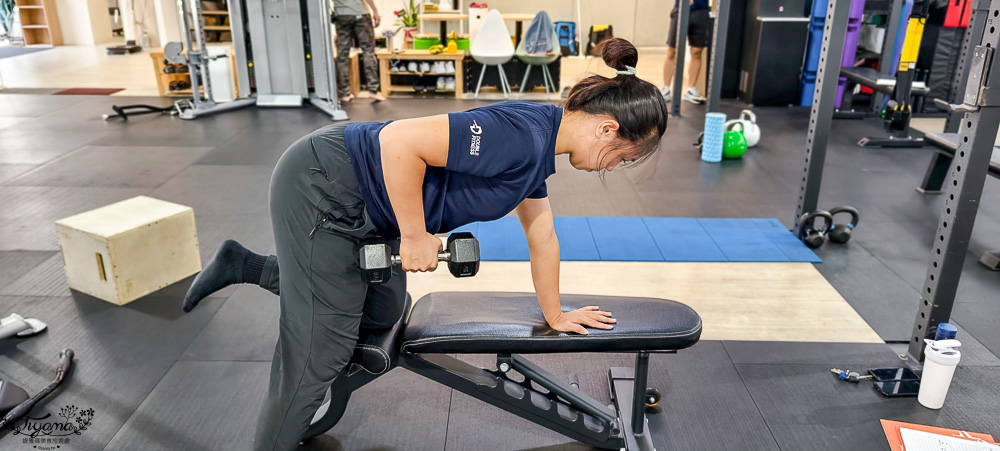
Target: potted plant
407,20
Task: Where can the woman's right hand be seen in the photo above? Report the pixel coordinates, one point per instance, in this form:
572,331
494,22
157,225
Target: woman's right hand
420,254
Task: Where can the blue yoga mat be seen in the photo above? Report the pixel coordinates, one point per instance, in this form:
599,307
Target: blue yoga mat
649,240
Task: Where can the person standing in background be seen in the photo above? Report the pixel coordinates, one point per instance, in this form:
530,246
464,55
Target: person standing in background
697,34
355,24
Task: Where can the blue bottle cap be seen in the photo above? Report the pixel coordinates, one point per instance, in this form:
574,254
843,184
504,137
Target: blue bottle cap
945,331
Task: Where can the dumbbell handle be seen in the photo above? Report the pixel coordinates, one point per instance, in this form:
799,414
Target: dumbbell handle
442,257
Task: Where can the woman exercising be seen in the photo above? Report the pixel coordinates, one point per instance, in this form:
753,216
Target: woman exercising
410,179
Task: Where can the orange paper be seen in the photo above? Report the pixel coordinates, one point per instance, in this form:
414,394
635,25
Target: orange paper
891,429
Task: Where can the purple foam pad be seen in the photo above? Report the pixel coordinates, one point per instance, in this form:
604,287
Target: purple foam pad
850,44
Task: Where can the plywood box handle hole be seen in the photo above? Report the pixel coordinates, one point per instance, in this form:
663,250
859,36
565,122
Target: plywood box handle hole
100,267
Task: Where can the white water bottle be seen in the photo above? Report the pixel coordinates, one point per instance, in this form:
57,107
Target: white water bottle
940,359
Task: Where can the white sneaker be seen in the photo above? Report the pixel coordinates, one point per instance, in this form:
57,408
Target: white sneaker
440,67
441,85
412,67
665,92
425,67
692,95
449,67
449,83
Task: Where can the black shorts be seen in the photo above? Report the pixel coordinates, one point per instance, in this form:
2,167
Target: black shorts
698,22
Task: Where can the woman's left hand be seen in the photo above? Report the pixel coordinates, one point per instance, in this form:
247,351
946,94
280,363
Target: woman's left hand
590,316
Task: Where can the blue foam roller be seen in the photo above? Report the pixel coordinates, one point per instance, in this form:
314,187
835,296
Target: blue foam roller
683,240
711,146
624,239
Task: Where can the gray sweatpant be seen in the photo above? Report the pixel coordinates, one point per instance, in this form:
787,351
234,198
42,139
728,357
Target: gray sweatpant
320,222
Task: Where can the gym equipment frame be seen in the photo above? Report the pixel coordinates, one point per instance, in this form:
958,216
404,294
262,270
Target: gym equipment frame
980,106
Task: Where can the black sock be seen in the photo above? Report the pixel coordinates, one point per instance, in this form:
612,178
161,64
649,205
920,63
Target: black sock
231,264
253,266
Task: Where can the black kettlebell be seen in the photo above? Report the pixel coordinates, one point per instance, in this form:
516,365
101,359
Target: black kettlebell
813,236
841,233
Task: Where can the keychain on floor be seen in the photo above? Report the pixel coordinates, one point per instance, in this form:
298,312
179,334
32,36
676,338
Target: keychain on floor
848,375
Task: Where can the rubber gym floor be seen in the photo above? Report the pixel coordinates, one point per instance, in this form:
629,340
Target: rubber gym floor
160,379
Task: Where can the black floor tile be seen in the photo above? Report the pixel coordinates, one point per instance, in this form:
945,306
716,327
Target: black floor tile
878,294
35,105
980,320
251,230
246,328
47,278
974,352
235,190
808,408
30,146
121,354
15,264
113,167
28,222
760,352
8,121
198,405
10,171
399,410
703,395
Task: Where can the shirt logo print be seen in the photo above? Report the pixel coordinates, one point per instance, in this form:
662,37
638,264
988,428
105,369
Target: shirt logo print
476,138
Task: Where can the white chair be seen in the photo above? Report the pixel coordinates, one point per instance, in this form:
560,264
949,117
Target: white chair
493,47
539,60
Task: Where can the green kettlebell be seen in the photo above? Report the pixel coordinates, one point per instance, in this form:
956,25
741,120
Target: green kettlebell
734,144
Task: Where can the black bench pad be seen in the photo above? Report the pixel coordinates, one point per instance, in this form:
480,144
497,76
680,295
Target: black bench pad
866,76
947,143
500,323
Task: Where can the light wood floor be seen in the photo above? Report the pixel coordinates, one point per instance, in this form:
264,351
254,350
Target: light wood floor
737,301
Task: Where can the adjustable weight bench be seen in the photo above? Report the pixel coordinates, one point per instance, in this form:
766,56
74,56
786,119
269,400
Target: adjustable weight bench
507,325
945,145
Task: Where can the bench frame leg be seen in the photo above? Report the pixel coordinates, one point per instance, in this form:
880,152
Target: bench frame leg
628,390
562,407
937,172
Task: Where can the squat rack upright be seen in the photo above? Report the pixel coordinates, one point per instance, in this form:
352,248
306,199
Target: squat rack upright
979,105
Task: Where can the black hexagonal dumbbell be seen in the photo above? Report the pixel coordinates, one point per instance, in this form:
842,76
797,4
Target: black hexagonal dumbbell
461,253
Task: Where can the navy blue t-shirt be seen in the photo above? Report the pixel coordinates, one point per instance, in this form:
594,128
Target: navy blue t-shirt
498,155
698,4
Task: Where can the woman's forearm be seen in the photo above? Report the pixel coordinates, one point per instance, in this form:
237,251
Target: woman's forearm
544,248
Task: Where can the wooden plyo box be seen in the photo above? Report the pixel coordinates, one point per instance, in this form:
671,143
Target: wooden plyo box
126,250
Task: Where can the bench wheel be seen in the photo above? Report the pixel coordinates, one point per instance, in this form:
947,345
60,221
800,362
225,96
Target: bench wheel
652,398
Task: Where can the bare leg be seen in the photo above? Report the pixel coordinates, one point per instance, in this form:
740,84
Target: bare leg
669,66
694,67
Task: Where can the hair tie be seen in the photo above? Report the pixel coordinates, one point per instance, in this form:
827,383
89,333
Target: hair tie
629,70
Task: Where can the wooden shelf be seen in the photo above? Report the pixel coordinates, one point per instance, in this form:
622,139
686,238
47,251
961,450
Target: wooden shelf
384,56
39,22
397,88
215,13
163,80
425,74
